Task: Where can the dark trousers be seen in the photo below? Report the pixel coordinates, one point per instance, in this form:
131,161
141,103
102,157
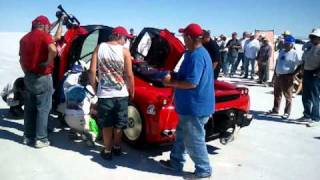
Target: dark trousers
283,85
263,71
311,95
229,63
247,62
38,102
236,64
216,72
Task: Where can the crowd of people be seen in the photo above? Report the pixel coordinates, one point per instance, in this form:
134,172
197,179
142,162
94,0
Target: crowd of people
249,50
108,86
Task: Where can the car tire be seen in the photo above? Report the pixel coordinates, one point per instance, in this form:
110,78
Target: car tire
134,133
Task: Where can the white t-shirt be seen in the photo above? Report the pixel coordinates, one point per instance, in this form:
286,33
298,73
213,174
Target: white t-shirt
243,42
251,48
111,71
287,62
71,80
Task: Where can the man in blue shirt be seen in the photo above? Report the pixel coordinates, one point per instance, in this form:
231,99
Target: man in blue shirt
194,99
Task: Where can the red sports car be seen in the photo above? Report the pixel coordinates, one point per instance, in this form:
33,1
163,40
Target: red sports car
152,116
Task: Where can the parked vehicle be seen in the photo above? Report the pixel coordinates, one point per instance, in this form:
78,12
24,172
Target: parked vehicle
152,117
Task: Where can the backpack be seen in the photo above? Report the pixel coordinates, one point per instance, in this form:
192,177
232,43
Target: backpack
75,96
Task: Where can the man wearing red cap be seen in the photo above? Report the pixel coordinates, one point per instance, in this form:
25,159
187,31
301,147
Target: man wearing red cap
37,52
116,83
194,100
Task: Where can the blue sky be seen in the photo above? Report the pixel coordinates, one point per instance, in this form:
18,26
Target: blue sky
220,16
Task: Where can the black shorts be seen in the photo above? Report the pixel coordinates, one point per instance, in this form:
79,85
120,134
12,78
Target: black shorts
113,112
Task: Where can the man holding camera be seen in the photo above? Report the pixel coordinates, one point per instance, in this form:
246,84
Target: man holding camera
37,53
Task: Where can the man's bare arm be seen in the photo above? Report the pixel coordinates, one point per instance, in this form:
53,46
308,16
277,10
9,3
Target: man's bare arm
128,72
93,69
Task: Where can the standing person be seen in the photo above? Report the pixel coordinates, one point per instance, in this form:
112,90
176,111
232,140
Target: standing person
251,49
112,61
37,52
233,46
264,56
194,99
286,65
223,51
245,37
311,81
213,50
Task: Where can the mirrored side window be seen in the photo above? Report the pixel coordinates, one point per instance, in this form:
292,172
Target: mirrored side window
88,47
144,46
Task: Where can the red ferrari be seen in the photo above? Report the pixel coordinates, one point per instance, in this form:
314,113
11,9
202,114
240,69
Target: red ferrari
152,117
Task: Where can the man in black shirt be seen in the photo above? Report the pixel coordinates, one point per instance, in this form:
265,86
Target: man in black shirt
233,46
213,49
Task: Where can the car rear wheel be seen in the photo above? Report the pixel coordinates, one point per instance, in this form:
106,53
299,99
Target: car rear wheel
134,132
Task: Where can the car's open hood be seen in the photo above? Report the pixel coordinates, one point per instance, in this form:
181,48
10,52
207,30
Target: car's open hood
159,48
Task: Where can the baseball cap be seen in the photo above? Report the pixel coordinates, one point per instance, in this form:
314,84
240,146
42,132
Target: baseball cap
286,33
289,39
315,32
206,32
41,20
76,68
193,30
122,31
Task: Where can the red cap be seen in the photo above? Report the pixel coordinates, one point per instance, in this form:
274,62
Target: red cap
41,20
193,30
122,31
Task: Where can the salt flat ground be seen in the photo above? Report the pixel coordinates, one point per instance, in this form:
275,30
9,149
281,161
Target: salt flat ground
269,149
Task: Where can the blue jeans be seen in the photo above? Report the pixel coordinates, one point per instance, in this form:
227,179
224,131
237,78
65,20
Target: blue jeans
236,64
311,95
37,106
190,137
230,60
248,61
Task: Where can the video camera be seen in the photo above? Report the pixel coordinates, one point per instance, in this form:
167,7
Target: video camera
70,21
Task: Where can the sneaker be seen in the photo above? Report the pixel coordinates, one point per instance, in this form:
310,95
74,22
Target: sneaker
285,116
304,119
106,155
41,144
194,177
117,151
167,165
313,124
27,141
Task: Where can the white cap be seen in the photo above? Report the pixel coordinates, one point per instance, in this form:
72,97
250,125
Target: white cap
286,32
315,32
